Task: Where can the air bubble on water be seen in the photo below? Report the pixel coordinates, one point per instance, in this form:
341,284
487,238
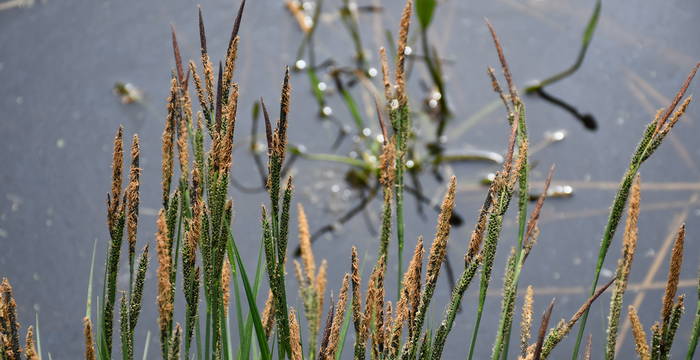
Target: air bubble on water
491,176
432,103
301,148
557,135
443,139
366,131
327,111
60,143
394,104
308,21
606,273
407,51
436,95
352,6
410,164
322,86
372,72
335,188
380,138
300,64
308,5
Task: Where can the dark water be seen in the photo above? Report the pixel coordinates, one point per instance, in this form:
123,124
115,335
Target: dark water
60,59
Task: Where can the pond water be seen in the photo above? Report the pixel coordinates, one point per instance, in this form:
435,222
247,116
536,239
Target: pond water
60,60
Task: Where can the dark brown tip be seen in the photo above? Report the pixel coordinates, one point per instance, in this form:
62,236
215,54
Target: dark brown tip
202,33
268,125
178,58
679,96
236,24
543,330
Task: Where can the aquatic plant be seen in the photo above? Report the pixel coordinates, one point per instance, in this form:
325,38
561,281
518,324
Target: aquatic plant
195,240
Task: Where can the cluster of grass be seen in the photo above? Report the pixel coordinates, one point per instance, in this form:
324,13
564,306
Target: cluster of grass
195,241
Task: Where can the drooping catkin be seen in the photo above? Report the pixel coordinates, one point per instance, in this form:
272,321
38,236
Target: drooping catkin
307,254
164,298
113,207
356,301
231,55
268,317
340,307
167,142
526,321
321,282
388,94
174,353
624,264
30,348
294,336
183,150
589,347
674,273
437,256
132,198
89,343
401,53
226,284
10,325
640,336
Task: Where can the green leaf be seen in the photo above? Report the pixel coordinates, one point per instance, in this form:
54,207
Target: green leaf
424,12
259,332
592,23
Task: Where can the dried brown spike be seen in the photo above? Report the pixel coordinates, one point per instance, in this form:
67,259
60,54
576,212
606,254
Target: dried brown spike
442,232
219,100
294,336
30,349
268,317
677,99
640,337
132,196
504,65
674,273
226,284
401,53
356,301
89,343
321,282
230,62
117,164
508,163
164,298
307,254
385,74
526,321
167,141
477,236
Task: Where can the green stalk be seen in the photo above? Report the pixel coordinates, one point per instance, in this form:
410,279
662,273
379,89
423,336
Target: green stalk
616,212
585,42
400,119
452,308
693,343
